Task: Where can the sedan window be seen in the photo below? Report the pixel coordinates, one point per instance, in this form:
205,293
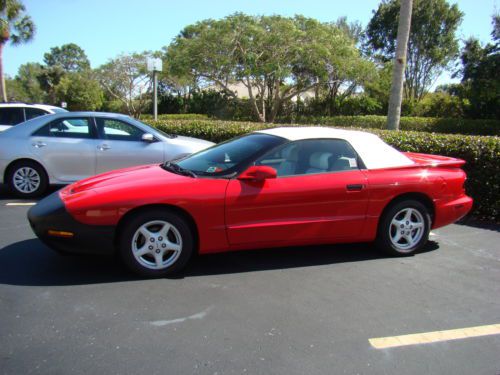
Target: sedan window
34,112
66,128
311,156
118,130
11,116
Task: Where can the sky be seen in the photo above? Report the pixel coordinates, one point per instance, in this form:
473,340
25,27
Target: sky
107,28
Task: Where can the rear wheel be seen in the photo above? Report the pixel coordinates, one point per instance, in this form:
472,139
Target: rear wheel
404,228
156,243
27,179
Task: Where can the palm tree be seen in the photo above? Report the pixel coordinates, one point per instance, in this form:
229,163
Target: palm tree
396,97
15,26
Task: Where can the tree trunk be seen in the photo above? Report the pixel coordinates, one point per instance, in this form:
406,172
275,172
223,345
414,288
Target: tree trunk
394,112
3,89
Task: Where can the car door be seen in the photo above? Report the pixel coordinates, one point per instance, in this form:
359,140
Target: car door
67,148
121,145
319,194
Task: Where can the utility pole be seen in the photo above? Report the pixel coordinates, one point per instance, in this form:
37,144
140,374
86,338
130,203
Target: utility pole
396,97
155,95
155,65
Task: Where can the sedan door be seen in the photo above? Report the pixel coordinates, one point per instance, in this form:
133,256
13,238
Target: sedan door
320,194
121,145
67,148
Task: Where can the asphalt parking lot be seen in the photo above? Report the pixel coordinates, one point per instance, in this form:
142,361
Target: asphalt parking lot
286,311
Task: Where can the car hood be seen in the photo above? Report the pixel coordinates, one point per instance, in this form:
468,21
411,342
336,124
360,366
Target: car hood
186,141
126,179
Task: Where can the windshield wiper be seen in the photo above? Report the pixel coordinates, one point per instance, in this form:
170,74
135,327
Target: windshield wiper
175,168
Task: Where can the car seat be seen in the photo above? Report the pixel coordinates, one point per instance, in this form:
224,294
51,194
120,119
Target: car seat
319,162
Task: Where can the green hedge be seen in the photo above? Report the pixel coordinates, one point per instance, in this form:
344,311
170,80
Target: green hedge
176,116
427,124
482,153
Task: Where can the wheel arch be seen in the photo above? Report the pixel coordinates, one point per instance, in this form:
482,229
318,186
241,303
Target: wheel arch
419,197
168,207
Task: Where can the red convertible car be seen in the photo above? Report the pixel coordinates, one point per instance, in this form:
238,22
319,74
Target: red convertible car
277,187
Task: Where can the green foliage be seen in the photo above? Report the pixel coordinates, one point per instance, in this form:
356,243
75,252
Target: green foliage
125,79
15,26
480,152
440,104
275,58
15,91
80,92
422,124
28,80
432,44
176,116
71,58
480,78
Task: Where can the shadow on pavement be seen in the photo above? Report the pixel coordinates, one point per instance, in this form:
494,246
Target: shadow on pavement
29,262
474,223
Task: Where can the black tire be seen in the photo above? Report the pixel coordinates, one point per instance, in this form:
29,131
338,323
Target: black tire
41,181
413,240
143,265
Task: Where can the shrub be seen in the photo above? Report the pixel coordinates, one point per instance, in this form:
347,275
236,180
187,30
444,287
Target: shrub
175,116
426,124
482,153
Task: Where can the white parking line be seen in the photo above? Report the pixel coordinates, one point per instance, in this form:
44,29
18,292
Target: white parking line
436,336
20,204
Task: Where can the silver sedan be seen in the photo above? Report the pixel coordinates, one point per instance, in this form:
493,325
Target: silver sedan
65,147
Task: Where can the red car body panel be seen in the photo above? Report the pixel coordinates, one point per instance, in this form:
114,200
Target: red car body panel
307,209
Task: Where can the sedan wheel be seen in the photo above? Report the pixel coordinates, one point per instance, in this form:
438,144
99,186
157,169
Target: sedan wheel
404,229
27,179
156,243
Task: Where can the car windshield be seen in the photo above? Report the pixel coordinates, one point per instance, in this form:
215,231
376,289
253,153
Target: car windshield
231,156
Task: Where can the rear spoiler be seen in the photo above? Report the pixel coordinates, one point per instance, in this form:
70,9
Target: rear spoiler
427,160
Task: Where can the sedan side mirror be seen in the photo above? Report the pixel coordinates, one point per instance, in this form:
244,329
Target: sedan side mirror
148,137
258,173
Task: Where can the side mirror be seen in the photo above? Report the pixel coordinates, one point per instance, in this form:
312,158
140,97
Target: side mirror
148,137
258,173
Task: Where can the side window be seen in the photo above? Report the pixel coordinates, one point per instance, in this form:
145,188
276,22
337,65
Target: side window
66,128
118,130
34,112
311,156
11,116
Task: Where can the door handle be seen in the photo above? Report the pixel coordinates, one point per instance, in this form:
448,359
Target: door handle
355,187
39,144
103,147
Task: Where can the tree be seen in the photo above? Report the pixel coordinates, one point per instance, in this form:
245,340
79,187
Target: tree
480,78
70,58
60,61
16,27
80,91
432,43
125,79
28,78
275,58
396,97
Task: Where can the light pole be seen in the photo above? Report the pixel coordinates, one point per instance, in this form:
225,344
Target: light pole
155,66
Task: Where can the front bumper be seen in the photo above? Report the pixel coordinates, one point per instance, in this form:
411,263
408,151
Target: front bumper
50,215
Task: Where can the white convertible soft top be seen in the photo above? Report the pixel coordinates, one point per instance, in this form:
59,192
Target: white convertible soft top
375,153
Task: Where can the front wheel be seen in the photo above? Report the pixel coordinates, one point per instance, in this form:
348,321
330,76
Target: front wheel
156,243
404,228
